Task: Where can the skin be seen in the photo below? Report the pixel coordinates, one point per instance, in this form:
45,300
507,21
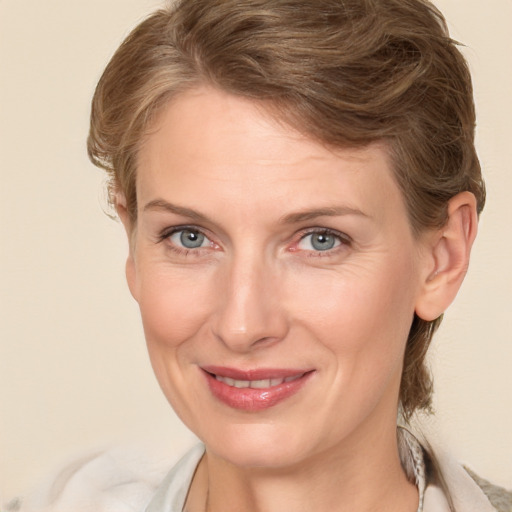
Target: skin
258,294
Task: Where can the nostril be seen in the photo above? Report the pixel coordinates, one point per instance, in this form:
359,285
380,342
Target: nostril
267,340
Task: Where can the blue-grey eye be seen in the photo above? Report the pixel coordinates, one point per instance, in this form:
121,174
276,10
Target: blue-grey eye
189,239
319,242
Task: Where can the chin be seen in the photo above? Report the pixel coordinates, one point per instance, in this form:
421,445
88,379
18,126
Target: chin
262,445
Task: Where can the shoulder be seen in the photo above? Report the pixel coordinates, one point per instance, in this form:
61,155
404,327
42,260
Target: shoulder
451,485
466,490
500,498
119,480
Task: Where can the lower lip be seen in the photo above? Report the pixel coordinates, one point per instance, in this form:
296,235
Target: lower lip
249,399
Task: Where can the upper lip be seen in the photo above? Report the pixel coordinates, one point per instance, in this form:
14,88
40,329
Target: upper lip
256,373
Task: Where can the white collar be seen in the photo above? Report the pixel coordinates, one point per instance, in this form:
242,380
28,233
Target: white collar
465,493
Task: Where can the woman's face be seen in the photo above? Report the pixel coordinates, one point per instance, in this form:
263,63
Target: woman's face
277,281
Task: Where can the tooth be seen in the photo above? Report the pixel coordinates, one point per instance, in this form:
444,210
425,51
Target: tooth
260,384
255,384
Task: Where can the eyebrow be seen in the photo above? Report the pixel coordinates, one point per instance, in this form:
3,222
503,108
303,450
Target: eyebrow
335,211
160,204
291,218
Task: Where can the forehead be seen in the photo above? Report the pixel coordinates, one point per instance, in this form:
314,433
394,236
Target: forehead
204,118
207,144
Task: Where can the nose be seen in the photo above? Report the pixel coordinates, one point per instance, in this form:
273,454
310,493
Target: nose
249,313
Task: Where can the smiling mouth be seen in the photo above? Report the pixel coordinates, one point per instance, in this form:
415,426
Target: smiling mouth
254,390
256,384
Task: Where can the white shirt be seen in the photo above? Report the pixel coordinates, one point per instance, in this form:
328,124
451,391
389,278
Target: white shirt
119,482
466,495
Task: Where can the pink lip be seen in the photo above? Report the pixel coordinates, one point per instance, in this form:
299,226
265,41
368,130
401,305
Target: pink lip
249,399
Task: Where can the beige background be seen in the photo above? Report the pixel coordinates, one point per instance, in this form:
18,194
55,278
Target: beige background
74,375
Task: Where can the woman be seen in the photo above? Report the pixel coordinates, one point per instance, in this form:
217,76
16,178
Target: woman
300,190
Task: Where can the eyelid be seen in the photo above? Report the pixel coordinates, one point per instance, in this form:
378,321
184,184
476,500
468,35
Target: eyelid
169,231
328,231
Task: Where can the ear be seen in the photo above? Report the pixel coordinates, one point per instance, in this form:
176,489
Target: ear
448,251
131,270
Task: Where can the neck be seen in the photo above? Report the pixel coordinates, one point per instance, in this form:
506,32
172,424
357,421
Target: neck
358,475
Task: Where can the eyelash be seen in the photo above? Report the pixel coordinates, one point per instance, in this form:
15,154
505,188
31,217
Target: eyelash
166,234
344,241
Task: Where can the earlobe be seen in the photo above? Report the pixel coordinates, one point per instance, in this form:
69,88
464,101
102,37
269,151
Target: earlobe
449,253
131,276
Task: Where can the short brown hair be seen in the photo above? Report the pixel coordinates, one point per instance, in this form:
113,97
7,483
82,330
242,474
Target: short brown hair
345,72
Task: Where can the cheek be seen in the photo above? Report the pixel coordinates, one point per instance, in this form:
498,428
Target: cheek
173,309
362,313
173,306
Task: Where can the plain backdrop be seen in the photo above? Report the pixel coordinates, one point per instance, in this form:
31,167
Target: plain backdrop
74,375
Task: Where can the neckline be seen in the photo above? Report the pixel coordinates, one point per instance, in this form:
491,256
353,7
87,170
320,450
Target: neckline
172,493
